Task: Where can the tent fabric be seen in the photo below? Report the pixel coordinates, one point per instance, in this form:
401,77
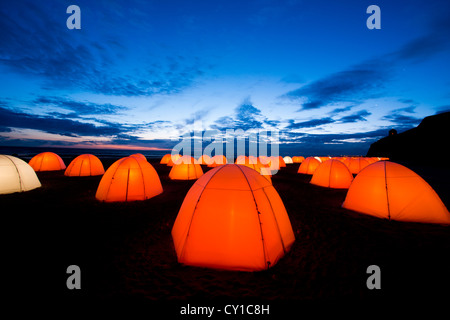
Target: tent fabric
287,160
250,230
253,163
165,159
389,190
332,174
47,161
355,165
85,165
185,171
281,162
129,179
139,156
217,160
185,160
242,160
298,159
309,165
173,159
16,175
204,159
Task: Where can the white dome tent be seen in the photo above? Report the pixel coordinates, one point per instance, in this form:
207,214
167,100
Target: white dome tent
16,175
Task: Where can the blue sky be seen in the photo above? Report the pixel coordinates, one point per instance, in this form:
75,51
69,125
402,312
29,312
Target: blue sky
140,74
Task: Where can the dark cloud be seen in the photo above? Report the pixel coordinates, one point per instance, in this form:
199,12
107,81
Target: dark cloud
50,124
35,42
246,116
402,120
197,116
367,79
79,108
340,110
356,117
355,84
423,47
309,123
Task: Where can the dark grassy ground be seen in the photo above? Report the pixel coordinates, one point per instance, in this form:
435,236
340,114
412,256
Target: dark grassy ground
126,254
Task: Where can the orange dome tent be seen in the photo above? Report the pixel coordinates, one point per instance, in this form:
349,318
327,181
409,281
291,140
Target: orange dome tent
139,156
185,160
85,165
281,162
355,165
323,159
185,171
241,159
16,175
255,165
47,161
309,165
298,159
204,159
389,190
332,174
217,160
232,218
129,179
173,159
165,159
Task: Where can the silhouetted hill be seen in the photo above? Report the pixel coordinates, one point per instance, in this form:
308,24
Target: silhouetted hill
426,143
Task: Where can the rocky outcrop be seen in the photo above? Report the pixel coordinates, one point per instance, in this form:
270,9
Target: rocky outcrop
428,142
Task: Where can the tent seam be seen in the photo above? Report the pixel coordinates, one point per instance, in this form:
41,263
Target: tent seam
259,219
18,173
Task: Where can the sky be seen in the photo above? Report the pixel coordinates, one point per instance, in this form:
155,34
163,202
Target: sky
142,74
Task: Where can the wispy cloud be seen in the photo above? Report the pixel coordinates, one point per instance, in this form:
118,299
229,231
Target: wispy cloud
356,117
367,79
79,107
51,124
41,46
309,123
246,116
352,85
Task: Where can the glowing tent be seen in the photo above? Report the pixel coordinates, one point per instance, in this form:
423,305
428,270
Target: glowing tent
298,159
47,161
204,159
185,171
309,165
217,160
256,165
288,160
139,156
173,159
185,160
16,175
232,218
129,179
389,190
323,159
332,174
165,159
355,165
85,165
281,162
